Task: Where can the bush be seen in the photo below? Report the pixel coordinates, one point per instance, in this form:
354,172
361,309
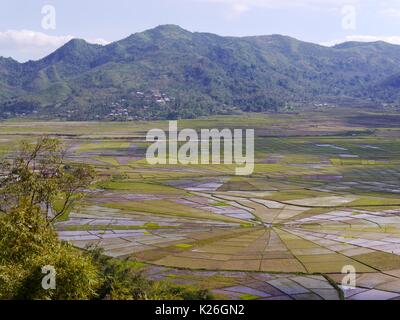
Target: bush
27,244
39,182
124,280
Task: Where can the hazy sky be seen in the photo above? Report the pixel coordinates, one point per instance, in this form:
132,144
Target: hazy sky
27,33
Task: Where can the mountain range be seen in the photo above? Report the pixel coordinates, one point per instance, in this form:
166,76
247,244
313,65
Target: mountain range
168,72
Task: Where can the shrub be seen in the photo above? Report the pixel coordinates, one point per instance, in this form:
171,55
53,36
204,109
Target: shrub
27,244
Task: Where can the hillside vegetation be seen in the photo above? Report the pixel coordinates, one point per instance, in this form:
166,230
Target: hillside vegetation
168,72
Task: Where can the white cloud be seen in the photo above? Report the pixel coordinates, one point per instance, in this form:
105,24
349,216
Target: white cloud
237,7
248,4
364,38
240,8
31,38
100,41
280,3
24,45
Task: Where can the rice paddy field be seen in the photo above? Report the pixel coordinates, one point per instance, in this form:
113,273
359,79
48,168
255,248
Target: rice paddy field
325,194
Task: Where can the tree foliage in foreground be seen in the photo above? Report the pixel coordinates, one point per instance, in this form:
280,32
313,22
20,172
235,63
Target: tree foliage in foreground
123,280
39,176
37,187
27,244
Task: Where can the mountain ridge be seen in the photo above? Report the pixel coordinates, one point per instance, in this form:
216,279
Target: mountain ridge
169,72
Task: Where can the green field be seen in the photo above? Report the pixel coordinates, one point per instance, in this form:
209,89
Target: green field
325,193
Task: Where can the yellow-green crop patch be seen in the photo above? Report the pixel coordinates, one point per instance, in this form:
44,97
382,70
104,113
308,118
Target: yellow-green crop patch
326,193
247,296
140,187
165,207
108,160
104,145
295,195
368,201
112,227
184,246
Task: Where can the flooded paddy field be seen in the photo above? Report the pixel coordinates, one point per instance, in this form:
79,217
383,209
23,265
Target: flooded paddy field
325,194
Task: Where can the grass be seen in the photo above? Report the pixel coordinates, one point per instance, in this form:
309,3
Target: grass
147,226
165,207
289,166
184,246
109,160
296,195
247,296
220,204
366,201
140,187
246,225
103,145
208,282
58,206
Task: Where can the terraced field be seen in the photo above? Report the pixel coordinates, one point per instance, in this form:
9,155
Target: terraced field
325,194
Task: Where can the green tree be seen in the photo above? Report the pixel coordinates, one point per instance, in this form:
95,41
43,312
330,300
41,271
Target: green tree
124,280
27,244
39,176
37,187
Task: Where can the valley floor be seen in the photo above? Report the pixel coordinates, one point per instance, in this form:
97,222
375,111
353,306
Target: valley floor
325,194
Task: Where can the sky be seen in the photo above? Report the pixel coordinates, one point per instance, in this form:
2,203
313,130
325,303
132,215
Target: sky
33,29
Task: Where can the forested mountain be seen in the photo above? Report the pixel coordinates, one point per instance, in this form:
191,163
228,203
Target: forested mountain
168,72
